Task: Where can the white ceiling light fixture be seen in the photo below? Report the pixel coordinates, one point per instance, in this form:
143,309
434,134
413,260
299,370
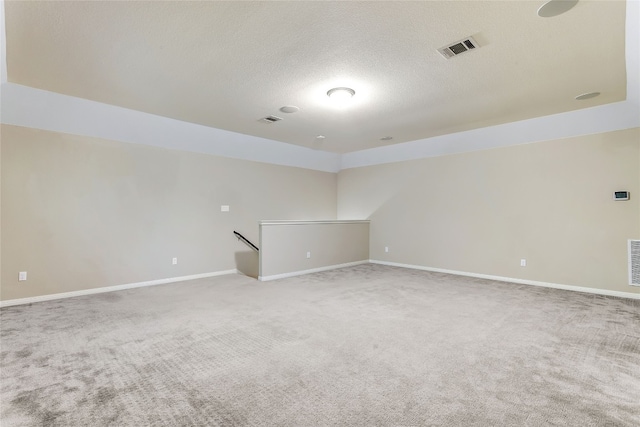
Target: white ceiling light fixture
587,96
289,109
341,95
555,7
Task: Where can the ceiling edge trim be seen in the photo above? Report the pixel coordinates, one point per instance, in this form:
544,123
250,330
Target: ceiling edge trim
3,46
40,109
632,50
605,118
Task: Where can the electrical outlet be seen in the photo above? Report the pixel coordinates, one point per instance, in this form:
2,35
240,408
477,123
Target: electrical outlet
523,262
224,208
174,261
386,248
22,276
308,254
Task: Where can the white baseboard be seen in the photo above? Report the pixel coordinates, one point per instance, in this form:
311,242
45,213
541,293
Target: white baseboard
313,270
39,298
29,300
513,280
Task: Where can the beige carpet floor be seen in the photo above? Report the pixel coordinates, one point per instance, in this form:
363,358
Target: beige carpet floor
362,346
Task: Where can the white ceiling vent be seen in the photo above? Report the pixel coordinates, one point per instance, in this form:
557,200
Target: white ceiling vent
634,262
458,47
270,119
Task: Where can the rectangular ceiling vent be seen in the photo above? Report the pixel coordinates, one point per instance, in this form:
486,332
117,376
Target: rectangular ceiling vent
458,47
634,262
270,119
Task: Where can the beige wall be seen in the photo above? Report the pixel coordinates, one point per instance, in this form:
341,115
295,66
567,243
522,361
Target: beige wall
80,212
481,212
284,246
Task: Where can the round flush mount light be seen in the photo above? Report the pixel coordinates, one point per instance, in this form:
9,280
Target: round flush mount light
341,95
587,96
289,109
555,7
386,138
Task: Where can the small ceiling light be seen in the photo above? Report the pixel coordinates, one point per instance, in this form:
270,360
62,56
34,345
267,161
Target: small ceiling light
587,96
341,95
289,109
320,137
555,7
386,138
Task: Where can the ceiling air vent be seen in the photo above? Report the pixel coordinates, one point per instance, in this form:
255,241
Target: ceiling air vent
459,47
634,262
270,119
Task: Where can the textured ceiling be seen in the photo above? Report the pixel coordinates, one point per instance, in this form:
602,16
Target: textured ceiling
227,64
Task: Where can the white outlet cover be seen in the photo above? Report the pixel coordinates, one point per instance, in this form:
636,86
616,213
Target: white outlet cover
386,248
308,254
523,262
22,276
174,261
224,208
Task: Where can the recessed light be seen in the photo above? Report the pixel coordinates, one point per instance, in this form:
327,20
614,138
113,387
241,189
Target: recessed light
555,7
341,95
386,138
587,96
289,109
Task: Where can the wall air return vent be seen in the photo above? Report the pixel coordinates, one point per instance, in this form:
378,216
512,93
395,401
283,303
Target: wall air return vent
270,119
459,47
634,262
